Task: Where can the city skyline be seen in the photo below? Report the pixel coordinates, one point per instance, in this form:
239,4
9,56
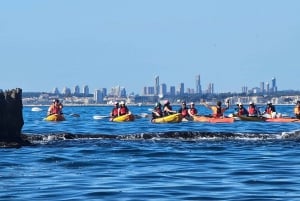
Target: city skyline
161,88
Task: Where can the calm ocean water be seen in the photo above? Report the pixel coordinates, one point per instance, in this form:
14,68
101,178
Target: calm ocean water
87,159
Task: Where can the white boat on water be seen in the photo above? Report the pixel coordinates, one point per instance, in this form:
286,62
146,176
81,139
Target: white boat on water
36,109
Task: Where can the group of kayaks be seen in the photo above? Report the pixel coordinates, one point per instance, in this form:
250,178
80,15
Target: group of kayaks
176,118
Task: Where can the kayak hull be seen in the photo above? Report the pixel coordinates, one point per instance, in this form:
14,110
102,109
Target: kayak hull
250,118
55,117
173,118
213,119
282,120
123,118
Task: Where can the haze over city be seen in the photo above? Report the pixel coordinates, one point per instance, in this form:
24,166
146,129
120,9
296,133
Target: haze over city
102,44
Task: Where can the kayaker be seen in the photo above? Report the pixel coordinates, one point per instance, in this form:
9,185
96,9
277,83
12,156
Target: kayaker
167,108
55,107
115,111
297,110
270,110
157,112
241,110
192,110
252,110
218,110
123,109
184,110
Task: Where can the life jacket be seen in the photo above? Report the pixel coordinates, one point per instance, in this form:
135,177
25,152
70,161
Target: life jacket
193,111
269,110
123,110
184,112
55,109
157,110
252,110
115,112
217,112
242,111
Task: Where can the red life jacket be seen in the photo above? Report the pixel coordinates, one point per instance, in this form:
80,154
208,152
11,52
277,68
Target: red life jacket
193,111
114,112
184,112
269,110
123,110
252,110
55,110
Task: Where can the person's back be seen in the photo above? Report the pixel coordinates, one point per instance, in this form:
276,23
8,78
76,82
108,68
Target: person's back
167,109
218,110
270,108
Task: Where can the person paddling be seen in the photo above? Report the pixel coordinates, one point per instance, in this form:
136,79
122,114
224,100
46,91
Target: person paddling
192,110
241,110
55,108
218,110
123,109
252,110
167,108
157,111
115,111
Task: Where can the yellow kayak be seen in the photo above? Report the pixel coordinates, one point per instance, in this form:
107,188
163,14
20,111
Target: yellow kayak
173,118
123,118
55,117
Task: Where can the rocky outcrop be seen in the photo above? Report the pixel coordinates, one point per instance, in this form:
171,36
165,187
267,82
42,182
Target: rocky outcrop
11,118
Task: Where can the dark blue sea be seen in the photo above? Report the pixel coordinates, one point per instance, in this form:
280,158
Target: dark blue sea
87,159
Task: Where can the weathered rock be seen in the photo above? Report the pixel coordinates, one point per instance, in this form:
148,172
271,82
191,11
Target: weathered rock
11,118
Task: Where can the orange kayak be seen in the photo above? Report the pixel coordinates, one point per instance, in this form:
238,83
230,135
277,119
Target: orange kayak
213,119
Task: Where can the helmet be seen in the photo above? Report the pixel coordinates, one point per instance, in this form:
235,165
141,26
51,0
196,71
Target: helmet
219,103
166,102
192,103
122,103
183,103
269,103
56,101
116,103
251,103
157,104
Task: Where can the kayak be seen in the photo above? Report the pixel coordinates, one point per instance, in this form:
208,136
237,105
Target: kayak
213,119
282,120
55,117
173,118
249,118
123,118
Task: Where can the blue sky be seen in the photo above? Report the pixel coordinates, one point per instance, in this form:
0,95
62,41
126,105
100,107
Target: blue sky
232,43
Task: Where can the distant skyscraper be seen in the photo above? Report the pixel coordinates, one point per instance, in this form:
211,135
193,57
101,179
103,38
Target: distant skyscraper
76,90
262,87
163,89
210,89
267,87
86,91
156,85
98,96
274,87
198,85
172,91
181,89
55,91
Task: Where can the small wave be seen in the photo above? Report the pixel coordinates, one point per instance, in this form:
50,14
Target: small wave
174,135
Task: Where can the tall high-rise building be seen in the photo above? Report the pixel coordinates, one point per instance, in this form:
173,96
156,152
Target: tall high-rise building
274,87
210,89
198,85
172,90
86,91
156,87
262,87
76,90
163,89
181,89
